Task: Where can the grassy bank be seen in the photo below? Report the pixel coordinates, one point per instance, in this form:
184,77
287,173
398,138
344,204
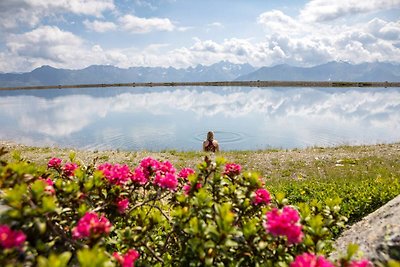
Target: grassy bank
364,177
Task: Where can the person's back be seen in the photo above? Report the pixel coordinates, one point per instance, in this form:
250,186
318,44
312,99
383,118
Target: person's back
210,144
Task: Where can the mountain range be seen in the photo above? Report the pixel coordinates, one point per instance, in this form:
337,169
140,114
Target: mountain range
222,71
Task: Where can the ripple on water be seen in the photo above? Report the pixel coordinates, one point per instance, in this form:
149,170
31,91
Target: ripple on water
223,137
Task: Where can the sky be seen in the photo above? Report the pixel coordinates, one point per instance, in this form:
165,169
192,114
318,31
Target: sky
75,34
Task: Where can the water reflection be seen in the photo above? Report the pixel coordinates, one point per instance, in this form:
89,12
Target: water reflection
178,118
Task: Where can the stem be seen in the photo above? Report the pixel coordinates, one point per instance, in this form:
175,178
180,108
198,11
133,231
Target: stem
154,254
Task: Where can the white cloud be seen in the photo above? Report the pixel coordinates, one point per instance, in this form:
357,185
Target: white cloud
135,24
99,26
27,12
44,43
322,10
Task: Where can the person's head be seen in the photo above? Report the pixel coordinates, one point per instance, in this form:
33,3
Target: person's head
210,135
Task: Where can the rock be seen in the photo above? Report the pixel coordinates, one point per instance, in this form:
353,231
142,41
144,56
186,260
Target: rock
377,234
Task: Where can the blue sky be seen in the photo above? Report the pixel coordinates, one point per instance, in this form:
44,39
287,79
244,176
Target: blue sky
181,33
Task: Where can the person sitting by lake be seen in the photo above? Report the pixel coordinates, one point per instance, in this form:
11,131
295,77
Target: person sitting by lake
210,144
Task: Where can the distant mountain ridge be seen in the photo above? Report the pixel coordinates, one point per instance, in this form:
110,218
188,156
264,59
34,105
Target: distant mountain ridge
47,75
221,71
331,71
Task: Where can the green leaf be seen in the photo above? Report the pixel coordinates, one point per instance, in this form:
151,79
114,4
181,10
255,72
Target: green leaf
14,197
49,203
95,257
37,188
351,250
55,260
72,156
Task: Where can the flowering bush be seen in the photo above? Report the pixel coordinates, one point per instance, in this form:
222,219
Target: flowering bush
149,214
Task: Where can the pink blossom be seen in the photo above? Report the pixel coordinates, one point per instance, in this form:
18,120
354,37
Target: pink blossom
185,172
261,196
167,180
361,263
128,259
10,238
284,223
69,168
91,225
186,188
122,205
149,166
54,163
166,167
49,189
138,176
311,260
116,174
232,169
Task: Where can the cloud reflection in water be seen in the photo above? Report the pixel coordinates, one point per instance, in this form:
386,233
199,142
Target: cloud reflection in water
170,118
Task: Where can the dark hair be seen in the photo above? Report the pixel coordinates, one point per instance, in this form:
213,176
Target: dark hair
210,135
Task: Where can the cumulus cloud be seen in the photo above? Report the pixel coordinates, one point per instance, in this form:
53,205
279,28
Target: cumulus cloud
13,13
312,38
99,26
136,24
44,43
322,11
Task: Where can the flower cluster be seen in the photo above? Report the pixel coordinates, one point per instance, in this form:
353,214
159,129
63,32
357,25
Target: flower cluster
122,205
91,225
128,259
185,172
69,168
310,260
54,163
10,238
232,169
261,196
163,173
116,174
285,223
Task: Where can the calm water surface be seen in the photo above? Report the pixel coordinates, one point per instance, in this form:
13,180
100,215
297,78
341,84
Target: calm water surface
179,118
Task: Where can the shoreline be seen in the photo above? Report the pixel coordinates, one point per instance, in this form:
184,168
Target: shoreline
267,162
257,83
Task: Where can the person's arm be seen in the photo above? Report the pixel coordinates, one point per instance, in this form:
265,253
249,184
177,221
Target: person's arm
216,146
204,145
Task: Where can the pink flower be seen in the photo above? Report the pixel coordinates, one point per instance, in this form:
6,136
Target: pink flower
186,188
91,225
361,263
116,174
185,172
138,176
167,180
310,260
122,205
49,189
166,167
128,259
261,196
54,163
232,169
10,238
69,168
149,166
284,223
